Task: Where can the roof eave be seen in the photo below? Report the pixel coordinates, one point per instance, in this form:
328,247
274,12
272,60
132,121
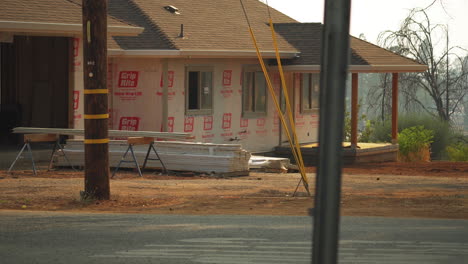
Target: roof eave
198,53
387,68
362,68
62,28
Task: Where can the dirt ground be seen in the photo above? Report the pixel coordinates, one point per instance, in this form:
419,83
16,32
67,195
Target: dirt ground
434,190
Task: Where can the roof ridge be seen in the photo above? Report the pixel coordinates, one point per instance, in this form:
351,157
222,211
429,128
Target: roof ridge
148,19
386,50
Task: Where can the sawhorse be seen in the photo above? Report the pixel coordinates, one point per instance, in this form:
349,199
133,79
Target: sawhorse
30,138
131,141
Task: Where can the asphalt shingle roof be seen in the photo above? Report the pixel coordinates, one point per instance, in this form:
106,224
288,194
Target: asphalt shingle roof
214,25
151,38
46,11
208,25
307,38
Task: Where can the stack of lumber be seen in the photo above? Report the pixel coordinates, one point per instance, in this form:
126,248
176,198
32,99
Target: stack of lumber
220,159
112,133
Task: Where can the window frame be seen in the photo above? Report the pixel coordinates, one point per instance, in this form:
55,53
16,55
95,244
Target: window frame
245,85
314,103
199,110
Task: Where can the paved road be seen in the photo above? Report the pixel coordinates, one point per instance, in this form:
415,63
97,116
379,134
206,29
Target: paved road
32,237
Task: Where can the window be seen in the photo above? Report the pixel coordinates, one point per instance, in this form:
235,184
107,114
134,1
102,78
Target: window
310,88
199,94
254,94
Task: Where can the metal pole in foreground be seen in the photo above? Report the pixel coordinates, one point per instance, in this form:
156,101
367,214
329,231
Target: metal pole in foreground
335,57
96,114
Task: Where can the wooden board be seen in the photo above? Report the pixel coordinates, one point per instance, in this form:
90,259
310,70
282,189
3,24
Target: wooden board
112,133
40,137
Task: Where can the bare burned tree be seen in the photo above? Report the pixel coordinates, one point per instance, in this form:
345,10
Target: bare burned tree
444,81
379,97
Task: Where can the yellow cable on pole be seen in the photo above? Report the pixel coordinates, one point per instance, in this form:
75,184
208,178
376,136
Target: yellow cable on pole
277,105
300,161
286,96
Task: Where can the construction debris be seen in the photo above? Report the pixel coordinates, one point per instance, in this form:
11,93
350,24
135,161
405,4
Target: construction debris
270,164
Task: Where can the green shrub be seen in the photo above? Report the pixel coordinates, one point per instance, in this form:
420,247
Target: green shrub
444,135
363,134
414,139
382,132
366,133
458,152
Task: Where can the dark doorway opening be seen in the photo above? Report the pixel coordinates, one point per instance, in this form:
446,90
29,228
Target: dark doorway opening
34,78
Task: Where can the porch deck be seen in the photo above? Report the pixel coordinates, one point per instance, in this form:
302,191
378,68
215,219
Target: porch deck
365,152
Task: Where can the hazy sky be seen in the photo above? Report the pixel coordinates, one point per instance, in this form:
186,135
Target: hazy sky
371,17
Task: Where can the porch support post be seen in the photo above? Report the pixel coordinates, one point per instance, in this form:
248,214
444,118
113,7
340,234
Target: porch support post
354,110
395,108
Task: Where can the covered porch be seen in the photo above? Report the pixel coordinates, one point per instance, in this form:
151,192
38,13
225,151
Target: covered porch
365,58
354,151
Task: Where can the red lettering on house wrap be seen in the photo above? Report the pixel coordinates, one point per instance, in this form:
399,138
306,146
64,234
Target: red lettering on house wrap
208,136
228,134
207,123
129,123
227,119
170,79
128,79
300,124
76,100
76,47
244,122
170,124
171,95
315,121
189,123
76,54
227,77
227,93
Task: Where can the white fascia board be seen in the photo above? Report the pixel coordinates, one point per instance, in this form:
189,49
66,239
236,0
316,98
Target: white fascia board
62,28
144,53
302,68
198,53
237,54
361,68
386,68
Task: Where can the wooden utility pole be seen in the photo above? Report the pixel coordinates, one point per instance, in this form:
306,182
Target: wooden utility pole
95,101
